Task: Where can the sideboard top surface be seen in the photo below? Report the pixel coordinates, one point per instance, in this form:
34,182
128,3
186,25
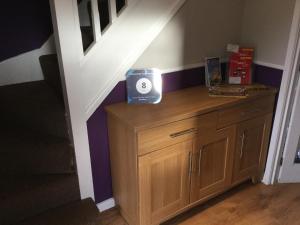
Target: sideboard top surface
177,105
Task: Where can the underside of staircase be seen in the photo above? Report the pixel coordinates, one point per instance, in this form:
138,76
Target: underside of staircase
39,183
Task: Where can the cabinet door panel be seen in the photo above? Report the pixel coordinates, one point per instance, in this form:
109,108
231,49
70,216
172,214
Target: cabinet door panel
251,141
164,182
212,163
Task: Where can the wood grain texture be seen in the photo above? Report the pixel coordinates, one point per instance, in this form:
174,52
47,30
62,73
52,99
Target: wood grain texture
212,163
265,146
123,157
245,205
176,106
245,111
162,136
167,158
164,182
251,145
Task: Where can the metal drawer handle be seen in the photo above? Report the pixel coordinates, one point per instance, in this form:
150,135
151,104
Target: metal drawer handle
199,162
190,163
184,132
242,145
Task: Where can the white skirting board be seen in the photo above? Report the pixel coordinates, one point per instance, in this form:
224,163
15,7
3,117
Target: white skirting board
107,204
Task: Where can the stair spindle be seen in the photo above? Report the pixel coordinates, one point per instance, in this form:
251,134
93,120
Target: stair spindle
113,10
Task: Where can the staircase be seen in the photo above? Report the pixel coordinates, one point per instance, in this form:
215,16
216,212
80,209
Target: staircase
39,183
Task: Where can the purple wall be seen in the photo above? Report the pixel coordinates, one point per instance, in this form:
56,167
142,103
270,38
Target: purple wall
97,125
25,26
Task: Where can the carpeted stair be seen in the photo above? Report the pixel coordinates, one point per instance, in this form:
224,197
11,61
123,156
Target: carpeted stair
33,106
25,152
22,197
82,212
38,184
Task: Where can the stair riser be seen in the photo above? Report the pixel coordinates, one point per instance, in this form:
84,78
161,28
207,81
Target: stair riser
33,200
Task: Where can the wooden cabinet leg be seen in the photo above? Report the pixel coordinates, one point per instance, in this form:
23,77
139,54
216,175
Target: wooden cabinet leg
255,180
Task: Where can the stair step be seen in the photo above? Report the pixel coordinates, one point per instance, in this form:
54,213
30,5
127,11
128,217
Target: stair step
33,105
24,152
50,68
28,196
82,212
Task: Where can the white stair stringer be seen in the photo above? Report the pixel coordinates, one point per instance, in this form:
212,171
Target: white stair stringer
123,46
88,79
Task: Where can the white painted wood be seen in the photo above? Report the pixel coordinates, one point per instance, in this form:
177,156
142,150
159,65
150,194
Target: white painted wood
113,10
271,65
96,21
185,67
289,171
107,204
121,45
69,48
282,111
25,67
88,78
189,66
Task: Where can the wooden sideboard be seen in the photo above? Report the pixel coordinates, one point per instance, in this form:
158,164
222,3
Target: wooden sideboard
169,157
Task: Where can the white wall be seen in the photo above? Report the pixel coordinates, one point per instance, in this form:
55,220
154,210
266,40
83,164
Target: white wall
201,28
266,27
204,27
25,67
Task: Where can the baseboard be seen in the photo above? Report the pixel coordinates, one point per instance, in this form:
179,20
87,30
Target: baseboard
223,60
270,65
189,66
107,204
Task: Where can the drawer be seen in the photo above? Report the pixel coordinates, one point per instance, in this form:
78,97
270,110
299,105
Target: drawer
160,137
245,111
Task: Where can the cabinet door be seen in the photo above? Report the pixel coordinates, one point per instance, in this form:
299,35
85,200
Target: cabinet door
251,148
212,163
164,182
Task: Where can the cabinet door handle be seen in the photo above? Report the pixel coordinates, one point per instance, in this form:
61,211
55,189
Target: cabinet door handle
199,162
242,145
184,132
190,163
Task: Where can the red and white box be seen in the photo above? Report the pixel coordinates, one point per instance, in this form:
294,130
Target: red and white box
240,67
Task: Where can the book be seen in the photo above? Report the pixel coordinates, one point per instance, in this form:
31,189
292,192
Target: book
213,74
240,66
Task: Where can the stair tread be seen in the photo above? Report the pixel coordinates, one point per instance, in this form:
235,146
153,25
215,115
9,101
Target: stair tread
29,152
82,212
33,105
12,138
50,68
26,196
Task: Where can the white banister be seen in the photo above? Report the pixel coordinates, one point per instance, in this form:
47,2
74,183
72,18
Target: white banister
113,10
96,20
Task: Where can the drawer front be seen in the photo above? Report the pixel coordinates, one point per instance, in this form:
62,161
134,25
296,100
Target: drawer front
245,111
160,137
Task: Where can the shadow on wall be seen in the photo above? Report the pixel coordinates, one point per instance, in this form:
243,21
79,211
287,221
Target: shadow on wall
25,26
